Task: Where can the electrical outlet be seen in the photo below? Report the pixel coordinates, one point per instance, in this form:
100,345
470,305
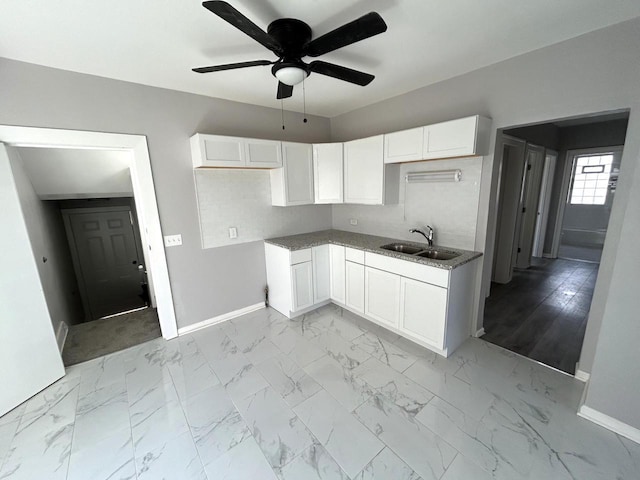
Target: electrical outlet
233,232
172,240
353,221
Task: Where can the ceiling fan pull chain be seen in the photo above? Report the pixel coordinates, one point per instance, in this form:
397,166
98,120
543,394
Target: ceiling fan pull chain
304,104
282,111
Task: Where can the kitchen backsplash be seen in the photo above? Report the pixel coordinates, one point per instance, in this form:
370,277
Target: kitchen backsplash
451,208
242,199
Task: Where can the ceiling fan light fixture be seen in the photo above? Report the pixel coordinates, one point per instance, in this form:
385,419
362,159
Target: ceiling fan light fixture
291,75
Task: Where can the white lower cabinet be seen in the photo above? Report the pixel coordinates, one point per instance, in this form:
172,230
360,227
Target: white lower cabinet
321,273
302,285
429,305
337,273
423,310
382,296
354,274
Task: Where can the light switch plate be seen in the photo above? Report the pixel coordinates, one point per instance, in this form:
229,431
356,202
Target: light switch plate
233,232
172,240
353,221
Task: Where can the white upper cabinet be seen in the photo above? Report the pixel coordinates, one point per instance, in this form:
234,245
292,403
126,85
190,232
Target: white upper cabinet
263,153
457,138
293,183
234,152
366,180
404,146
328,172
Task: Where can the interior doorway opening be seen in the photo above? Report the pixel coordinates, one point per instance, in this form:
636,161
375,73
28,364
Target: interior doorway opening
556,189
26,291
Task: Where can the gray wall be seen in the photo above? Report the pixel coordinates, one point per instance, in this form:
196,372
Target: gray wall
48,239
581,76
205,283
449,207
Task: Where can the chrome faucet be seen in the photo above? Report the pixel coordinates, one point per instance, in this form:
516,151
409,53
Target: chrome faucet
428,236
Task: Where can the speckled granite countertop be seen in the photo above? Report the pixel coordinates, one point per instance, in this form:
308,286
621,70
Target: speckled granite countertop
371,243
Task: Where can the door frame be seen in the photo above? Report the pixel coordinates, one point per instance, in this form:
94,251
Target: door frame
564,188
504,233
143,193
544,202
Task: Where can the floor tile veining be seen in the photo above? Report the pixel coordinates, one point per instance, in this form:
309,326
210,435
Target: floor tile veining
328,396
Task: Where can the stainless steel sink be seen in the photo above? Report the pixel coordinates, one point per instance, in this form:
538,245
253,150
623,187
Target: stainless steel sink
438,254
402,248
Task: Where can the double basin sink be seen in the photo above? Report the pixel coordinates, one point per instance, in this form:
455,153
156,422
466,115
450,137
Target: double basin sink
433,253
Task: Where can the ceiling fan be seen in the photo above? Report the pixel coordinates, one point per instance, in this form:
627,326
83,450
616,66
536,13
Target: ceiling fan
290,40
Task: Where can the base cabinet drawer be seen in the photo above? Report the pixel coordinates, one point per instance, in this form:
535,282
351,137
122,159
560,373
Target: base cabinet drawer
382,296
354,286
423,310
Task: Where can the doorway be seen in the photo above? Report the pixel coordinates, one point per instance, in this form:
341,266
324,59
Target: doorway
26,291
557,186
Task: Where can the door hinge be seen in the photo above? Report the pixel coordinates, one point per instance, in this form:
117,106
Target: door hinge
524,209
519,249
528,167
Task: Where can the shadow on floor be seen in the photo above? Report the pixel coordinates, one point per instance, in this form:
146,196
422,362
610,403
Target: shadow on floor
542,313
100,337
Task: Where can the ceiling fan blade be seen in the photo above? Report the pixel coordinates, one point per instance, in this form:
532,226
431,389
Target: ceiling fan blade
364,27
284,90
231,66
242,23
341,73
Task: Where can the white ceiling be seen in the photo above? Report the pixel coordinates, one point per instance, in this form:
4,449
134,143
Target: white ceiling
58,173
157,42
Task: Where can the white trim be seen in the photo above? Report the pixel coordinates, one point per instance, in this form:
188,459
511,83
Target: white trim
609,423
61,335
220,318
479,333
582,375
143,192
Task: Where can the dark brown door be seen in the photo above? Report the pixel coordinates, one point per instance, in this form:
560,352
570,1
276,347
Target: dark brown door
109,261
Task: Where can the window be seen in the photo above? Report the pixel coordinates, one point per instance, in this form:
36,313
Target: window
591,179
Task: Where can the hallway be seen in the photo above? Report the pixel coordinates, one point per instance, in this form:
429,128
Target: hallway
542,313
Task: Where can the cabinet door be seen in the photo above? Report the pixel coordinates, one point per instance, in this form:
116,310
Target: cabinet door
302,285
320,256
263,153
218,151
327,172
382,296
405,146
354,273
298,173
364,171
450,139
423,310
337,268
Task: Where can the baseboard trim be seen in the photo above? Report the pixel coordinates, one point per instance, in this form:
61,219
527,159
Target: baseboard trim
220,318
479,333
609,423
582,375
61,335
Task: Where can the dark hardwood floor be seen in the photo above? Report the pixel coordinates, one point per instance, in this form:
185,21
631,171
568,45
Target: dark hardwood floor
542,313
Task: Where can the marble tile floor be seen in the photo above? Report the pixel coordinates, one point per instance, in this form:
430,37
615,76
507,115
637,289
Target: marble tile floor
328,396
